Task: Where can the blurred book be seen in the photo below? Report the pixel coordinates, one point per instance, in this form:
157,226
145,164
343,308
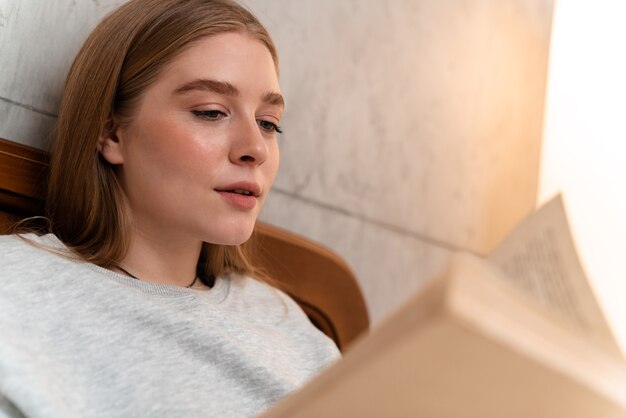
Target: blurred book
519,334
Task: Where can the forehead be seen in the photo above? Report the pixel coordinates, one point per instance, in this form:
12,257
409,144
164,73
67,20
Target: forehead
232,57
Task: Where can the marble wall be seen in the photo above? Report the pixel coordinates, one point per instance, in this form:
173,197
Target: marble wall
412,129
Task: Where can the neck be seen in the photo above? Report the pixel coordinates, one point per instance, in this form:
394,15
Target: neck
165,261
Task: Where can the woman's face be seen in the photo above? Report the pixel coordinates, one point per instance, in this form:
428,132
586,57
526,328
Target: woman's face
200,154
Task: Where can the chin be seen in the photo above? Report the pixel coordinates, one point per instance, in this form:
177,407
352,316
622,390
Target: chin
233,235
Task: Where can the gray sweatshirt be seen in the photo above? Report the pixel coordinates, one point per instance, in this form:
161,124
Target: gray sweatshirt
77,340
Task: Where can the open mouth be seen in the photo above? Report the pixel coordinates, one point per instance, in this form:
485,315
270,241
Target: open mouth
241,191
240,198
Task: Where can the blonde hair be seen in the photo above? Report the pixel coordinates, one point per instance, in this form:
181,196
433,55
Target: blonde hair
123,55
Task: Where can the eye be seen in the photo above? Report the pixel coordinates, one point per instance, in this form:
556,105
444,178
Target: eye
269,126
209,114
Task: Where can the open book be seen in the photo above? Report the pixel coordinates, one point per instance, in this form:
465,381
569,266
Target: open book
517,335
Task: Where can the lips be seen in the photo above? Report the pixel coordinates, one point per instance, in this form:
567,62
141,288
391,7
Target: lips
243,192
242,195
242,188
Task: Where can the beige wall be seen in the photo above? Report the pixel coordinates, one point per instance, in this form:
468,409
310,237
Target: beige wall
412,128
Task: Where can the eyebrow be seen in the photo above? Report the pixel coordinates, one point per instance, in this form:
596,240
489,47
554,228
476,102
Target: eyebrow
227,89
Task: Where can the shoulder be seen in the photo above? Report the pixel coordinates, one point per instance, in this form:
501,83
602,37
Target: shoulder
264,297
272,307
10,242
29,257
18,243
14,248
262,302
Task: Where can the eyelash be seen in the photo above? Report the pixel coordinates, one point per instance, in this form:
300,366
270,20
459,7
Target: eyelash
213,115
272,126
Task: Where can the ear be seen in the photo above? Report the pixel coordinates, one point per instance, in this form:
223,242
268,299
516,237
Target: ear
109,144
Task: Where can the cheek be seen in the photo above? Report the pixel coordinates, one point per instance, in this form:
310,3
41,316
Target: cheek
176,155
273,162
180,143
192,164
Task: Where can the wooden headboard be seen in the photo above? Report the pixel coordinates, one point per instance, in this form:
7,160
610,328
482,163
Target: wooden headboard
22,178
319,280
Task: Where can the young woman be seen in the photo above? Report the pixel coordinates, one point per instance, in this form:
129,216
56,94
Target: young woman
140,302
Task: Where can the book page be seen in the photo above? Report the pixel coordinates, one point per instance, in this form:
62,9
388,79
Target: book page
465,345
540,258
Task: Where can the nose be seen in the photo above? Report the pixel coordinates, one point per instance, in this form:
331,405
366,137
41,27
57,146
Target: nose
249,146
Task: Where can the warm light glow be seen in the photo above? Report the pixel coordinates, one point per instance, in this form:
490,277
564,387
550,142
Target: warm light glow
584,151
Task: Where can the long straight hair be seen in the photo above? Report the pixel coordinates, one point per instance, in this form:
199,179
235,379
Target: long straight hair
123,55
